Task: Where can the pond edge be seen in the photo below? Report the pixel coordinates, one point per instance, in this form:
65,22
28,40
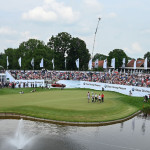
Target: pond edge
84,124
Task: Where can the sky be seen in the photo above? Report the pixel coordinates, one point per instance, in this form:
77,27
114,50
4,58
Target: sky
124,24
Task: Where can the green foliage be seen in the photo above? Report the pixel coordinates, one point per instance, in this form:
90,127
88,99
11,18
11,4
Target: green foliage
63,44
78,50
32,48
60,44
13,57
2,61
98,69
36,49
118,54
147,55
99,57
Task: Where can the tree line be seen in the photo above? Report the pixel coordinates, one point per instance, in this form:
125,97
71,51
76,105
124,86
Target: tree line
58,48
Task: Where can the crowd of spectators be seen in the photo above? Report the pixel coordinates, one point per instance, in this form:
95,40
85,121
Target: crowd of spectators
138,79
5,84
2,71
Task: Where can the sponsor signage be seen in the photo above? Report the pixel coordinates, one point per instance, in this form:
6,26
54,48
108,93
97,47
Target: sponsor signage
124,89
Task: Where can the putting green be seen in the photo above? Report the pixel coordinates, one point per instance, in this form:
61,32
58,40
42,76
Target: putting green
70,105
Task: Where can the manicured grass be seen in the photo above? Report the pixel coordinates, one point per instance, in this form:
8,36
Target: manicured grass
68,104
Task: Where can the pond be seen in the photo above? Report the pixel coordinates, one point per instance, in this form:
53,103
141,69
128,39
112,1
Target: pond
133,134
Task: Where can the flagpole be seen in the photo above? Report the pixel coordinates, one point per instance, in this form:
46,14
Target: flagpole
65,63
33,63
79,64
65,60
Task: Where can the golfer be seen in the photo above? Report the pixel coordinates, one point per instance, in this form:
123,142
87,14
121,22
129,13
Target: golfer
88,94
95,97
99,98
92,97
102,96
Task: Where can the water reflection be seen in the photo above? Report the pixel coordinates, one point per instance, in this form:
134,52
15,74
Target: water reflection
133,124
129,135
144,117
143,127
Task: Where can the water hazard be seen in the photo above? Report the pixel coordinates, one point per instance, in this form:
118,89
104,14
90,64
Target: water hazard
133,134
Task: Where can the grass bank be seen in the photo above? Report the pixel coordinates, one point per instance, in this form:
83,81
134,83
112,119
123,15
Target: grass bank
69,104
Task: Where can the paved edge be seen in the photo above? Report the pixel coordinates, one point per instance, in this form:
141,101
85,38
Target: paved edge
19,116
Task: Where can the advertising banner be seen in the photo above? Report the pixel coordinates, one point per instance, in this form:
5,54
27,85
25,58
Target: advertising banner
124,89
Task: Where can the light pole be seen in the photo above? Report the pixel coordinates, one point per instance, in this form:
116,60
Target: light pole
94,43
95,35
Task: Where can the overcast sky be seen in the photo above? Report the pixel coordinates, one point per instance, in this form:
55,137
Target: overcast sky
125,24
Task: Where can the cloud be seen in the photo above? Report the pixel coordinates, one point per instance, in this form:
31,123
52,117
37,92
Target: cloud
52,11
93,4
112,15
13,40
147,31
39,14
135,50
26,36
136,47
7,31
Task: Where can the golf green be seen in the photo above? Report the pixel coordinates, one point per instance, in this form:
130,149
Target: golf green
69,104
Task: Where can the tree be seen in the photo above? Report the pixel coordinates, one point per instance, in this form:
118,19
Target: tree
118,54
3,61
148,56
12,58
78,50
57,47
99,57
60,44
36,49
139,58
75,48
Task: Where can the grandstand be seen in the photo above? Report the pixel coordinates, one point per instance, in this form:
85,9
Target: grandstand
41,76
2,76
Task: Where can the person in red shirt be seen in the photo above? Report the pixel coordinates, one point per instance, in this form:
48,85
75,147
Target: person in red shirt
102,96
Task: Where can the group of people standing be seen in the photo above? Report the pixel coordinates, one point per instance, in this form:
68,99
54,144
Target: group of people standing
95,97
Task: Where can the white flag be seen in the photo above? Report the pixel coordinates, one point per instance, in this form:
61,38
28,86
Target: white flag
19,61
53,63
134,64
77,63
105,64
65,62
96,63
41,63
145,63
32,62
90,64
113,63
123,62
7,62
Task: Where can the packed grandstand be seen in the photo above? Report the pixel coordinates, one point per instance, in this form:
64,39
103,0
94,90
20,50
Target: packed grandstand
136,79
